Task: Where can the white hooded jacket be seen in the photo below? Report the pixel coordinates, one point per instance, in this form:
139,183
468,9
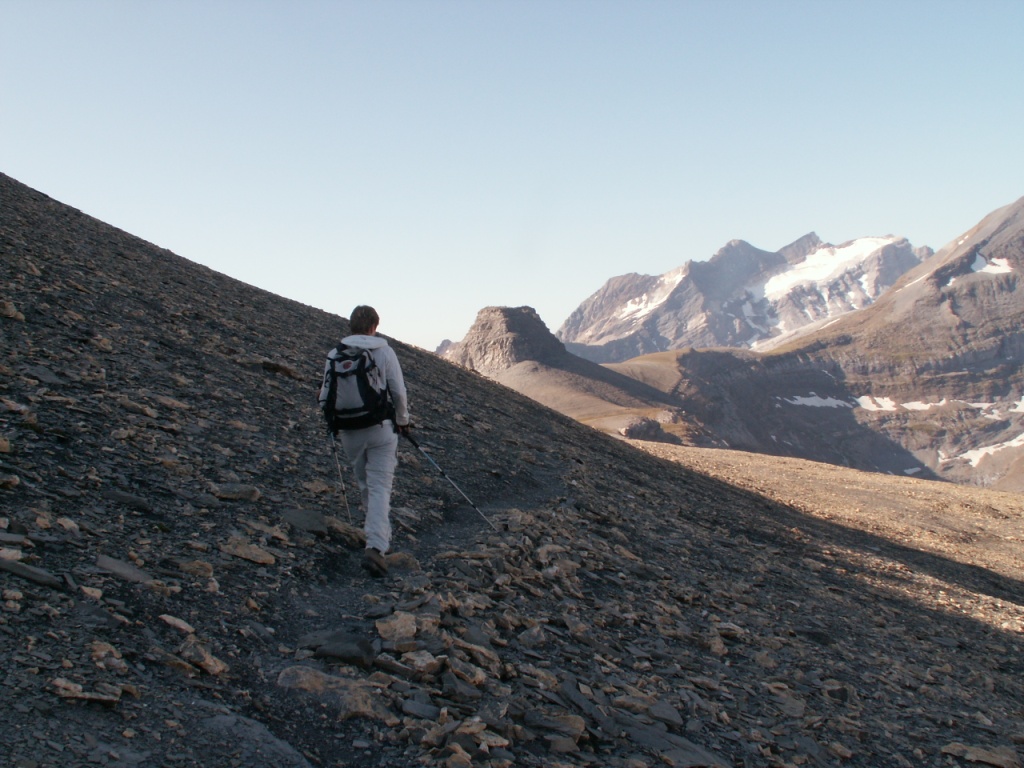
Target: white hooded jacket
387,361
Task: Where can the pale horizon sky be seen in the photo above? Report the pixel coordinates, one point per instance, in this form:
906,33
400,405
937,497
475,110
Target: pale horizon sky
435,157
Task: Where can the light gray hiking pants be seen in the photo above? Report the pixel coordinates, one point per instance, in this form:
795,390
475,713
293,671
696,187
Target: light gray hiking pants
372,453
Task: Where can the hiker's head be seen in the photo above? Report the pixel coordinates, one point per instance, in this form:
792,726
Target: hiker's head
364,320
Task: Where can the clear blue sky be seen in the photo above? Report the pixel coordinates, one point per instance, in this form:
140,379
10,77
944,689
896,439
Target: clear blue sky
432,157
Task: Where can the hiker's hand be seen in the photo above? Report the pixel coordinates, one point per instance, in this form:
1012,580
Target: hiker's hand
403,429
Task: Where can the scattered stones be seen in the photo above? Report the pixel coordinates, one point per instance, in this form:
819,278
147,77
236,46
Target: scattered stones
178,624
199,654
181,580
351,697
1001,757
29,572
105,694
8,310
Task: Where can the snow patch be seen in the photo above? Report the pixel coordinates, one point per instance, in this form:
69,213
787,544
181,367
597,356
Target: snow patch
982,265
917,405
823,264
994,267
698,322
975,456
634,309
750,314
916,280
869,403
995,411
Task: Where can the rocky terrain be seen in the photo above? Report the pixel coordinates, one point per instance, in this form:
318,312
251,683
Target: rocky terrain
181,587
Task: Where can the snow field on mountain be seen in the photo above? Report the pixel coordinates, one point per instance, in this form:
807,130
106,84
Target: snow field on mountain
642,306
823,264
975,456
871,403
982,265
994,411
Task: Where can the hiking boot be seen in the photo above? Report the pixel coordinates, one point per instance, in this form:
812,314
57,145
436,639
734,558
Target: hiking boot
374,562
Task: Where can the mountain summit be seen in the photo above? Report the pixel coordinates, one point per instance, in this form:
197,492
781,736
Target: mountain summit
924,379
742,297
502,337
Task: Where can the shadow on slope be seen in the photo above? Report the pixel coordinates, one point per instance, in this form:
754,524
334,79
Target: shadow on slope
773,406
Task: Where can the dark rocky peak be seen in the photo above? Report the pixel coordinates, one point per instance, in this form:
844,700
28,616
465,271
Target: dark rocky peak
967,292
799,249
503,336
616,304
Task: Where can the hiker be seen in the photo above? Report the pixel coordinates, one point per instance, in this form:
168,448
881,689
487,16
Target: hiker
369,430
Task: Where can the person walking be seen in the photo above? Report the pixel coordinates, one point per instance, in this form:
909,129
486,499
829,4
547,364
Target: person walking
370,439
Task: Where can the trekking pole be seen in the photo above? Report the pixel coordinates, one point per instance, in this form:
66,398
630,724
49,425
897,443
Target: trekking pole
341,479
431,460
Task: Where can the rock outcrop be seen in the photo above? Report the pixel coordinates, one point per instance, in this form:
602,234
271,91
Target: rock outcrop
501,337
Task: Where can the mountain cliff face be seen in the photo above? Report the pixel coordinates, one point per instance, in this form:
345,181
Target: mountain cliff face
926,381
503,336
742,297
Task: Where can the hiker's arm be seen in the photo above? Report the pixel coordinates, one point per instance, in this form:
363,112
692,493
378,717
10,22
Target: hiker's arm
324,385
396,383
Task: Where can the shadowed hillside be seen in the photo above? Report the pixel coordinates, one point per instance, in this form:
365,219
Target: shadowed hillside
181,586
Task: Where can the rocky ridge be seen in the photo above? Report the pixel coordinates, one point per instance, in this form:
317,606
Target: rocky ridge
181,586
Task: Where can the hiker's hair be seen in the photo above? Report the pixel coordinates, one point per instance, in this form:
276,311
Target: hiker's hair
363,319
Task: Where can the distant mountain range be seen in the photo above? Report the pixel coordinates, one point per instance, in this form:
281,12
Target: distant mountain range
742,297
872,354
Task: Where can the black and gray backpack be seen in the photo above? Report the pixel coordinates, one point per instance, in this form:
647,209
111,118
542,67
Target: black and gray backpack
357,394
